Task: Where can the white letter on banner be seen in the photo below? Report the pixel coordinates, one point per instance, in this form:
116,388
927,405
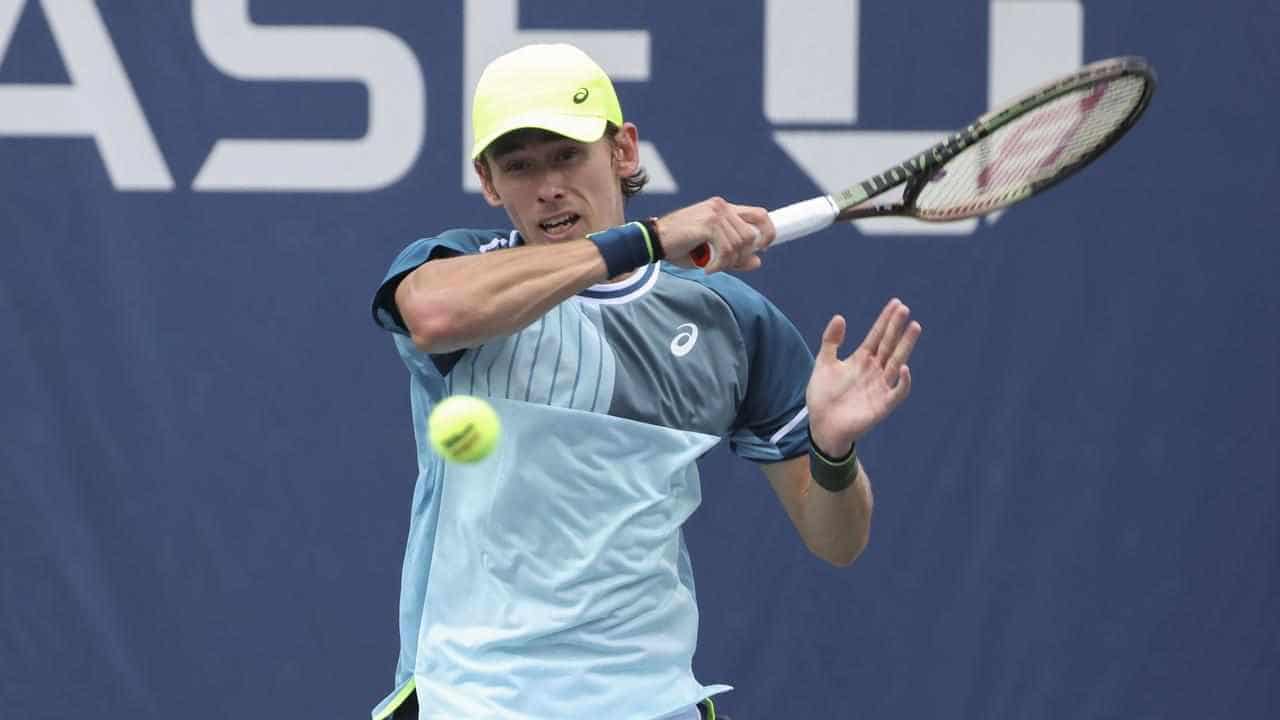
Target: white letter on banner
811,61
99,102
1030,42
379,60
491,28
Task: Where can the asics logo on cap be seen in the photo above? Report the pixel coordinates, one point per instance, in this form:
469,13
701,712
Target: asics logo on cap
580,96
684,342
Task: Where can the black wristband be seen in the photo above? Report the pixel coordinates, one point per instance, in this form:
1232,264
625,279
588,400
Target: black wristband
655,241
833,474
624,247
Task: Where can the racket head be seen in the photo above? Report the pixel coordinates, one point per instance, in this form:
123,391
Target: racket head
1033,142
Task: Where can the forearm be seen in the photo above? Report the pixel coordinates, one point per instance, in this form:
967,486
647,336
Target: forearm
464,301
846,398
836,526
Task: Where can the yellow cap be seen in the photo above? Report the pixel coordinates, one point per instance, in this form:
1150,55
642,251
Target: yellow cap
551,87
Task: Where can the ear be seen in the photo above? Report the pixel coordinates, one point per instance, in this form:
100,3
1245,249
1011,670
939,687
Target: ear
626,150
486,184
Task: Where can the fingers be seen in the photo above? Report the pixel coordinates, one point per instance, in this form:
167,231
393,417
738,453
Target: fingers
746,236
893,330
732,244
741,239
872,342
733,233
897,362
902,389
891,341
760,221
832,338
714,233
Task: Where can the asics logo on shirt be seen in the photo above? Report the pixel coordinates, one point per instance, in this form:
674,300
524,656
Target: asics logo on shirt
684,342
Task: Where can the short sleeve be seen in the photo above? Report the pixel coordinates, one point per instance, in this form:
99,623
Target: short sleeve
771,423
447,244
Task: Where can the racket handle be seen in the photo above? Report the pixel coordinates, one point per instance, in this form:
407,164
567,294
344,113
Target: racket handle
803,218
793,221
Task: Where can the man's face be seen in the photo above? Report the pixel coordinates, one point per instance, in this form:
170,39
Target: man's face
555,188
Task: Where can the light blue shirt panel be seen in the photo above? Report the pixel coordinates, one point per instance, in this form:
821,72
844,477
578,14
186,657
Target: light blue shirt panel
590,616
424,383
561,359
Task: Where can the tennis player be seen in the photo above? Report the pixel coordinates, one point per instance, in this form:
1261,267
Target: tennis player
551,580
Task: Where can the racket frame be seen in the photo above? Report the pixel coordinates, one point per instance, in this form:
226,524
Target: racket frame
809,216
916,171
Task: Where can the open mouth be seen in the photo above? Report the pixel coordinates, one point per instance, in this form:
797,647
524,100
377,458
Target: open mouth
559,223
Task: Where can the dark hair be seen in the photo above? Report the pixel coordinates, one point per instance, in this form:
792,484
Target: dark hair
630,184
635,182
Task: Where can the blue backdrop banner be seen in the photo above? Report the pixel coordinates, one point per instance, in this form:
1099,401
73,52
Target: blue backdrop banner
206,453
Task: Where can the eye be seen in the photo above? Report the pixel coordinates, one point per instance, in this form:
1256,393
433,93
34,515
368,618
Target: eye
568,153
515,165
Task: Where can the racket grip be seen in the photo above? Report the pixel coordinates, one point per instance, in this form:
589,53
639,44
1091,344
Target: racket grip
793,221
803,218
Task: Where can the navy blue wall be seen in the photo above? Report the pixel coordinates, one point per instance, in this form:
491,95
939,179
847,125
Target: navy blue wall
205,452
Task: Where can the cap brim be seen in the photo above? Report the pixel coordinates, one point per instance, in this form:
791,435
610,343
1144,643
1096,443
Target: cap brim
577,127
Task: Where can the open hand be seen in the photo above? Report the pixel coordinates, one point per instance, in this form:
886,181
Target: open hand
846,398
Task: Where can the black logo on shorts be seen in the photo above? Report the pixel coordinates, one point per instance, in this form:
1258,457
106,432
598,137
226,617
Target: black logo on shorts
580,96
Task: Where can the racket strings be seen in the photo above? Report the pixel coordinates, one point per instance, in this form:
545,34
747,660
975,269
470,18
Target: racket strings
1031,151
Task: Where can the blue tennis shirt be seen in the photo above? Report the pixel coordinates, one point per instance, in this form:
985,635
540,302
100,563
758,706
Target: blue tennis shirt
551,579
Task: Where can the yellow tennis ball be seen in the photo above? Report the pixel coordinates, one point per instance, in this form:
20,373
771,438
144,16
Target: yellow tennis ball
463,428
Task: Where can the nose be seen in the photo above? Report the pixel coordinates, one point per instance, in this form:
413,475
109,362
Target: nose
551,186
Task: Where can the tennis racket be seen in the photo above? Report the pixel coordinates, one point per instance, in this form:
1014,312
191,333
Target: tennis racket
1007,155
